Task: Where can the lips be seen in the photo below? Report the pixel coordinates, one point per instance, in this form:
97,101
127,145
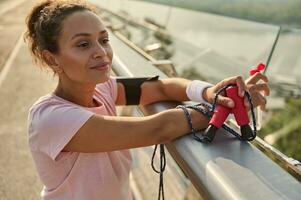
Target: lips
101,66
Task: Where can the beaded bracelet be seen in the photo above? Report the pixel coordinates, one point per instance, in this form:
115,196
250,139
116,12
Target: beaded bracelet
188,117
201,109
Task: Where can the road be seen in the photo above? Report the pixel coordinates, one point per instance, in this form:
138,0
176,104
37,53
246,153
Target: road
21,83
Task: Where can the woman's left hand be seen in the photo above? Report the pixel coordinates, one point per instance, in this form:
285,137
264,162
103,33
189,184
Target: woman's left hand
256,85
210,93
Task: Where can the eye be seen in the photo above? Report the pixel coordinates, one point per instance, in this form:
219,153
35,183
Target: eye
83,44
104,41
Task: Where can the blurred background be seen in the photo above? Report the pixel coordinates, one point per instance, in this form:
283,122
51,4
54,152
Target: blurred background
211,40
207,40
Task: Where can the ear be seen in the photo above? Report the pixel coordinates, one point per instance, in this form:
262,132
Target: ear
51,60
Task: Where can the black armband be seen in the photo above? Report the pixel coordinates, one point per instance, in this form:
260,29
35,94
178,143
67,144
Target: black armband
132,86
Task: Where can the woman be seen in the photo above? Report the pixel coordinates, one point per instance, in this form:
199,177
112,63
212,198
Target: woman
79,145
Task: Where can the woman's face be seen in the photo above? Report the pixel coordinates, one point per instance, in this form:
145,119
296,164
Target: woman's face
85,54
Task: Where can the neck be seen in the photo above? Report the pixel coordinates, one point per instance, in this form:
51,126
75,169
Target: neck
81,94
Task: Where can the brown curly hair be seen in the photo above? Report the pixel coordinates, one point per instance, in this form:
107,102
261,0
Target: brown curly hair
44,25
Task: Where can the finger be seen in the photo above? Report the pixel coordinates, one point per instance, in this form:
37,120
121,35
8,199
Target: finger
263,103
227,81
241,86
225,101
247,103
262,107
260,87
234,80
211,93
256,77
258,100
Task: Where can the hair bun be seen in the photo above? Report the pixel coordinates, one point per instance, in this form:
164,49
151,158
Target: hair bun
32,19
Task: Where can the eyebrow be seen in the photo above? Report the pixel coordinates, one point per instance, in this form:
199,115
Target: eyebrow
87,34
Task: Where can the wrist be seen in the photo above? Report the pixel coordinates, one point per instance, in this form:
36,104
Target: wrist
196,117
205,94
197,91
199,121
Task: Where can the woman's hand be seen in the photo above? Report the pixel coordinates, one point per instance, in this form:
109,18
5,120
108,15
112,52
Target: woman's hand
256,85
210,93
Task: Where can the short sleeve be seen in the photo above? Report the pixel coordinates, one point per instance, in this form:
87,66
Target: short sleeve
52,126
114,89
109,87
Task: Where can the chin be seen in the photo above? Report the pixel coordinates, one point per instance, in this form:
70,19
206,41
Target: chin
104,78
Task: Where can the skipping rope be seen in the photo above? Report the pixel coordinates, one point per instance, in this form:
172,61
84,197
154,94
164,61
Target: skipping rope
207,111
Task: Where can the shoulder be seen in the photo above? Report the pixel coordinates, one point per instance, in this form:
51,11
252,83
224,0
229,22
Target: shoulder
42,103
109,87
52,122
49,112
49,103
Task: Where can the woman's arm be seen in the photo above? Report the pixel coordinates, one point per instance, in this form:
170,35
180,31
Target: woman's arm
166,89
154,91
109,133
175,89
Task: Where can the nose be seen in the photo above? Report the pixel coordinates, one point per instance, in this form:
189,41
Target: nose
99,52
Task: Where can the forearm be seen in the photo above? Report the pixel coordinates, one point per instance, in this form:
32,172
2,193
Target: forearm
175,88
107,133
177,124
185,90
158,128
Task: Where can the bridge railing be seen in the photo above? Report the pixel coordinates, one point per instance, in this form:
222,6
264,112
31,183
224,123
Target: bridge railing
225,169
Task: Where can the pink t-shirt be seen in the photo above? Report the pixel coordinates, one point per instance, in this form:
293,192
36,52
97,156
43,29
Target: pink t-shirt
52,122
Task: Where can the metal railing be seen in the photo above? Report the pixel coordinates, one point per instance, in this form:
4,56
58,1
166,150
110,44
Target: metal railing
225,169
290,164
